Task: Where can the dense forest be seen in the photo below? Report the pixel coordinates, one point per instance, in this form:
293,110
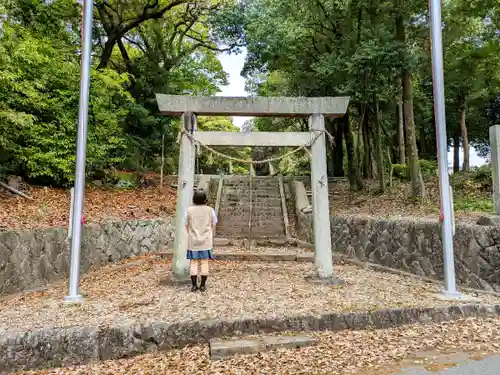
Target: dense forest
377,52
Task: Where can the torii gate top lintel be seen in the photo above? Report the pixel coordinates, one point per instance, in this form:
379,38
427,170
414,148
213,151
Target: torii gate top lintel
176,105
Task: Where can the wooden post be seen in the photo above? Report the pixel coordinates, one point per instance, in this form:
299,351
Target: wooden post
283,207
218,198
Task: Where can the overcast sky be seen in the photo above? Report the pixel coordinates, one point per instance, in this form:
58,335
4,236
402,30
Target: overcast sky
233,64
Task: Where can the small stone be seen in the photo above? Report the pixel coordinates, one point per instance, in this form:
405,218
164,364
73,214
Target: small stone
488,220
333,281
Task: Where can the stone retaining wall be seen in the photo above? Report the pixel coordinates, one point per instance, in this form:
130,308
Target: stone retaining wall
410,245
34,258
71,346
415,246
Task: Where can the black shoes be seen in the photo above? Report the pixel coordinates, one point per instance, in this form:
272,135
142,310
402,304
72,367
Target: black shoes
203,282
194,282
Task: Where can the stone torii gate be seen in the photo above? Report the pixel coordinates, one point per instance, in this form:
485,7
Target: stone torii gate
316,109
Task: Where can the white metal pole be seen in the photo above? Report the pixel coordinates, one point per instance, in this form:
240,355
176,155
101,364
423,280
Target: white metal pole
452,212
81,145
442,146
70,226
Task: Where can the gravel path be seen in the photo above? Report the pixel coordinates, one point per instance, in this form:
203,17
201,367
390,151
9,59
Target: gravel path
381,352
235,290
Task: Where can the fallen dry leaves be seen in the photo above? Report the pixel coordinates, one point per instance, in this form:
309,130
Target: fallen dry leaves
50,206
394,203
116,295
380,352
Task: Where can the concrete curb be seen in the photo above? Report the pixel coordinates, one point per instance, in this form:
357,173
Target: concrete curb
53,347
220,349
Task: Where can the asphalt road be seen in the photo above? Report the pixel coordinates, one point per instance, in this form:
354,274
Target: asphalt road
487,366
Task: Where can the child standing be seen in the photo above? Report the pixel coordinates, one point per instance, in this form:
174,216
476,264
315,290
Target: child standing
200,224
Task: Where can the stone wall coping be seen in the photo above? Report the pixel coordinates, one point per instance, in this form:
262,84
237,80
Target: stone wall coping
406,219
88,225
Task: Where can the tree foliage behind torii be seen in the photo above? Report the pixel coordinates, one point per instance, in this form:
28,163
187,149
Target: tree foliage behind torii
378,53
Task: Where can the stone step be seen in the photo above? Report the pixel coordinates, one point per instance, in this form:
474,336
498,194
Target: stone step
243,232
221,241
242,223
235,235
246,205
272,213
247,190
220,349
257,205
255,180
246,198
246,184
267,232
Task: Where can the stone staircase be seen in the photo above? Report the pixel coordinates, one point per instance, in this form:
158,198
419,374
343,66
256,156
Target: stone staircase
234,209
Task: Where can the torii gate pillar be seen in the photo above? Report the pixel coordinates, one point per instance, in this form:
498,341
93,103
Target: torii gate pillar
321,209
185,186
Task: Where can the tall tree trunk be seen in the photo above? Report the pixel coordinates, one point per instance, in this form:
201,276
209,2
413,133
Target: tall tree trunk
400,132
162,159
330,148
465,137
338,165
417,183
359,152
367,156
422,143
353,171
456,152
379,154
107,51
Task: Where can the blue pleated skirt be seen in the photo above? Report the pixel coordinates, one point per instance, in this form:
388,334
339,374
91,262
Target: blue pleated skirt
199,254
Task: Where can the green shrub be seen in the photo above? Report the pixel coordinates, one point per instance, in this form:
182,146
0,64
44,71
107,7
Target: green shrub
474,180
401,172
477,204
428,168
240,170
483,177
